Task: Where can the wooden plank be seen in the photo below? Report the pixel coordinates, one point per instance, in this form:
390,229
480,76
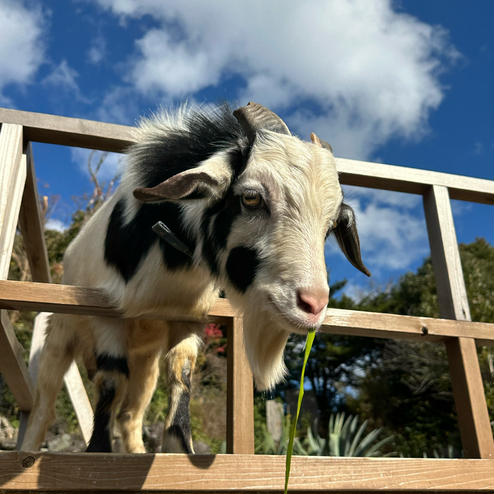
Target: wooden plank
110,137
12,365
377,325
176,472
44,297
80,401
34,241
240,394
12,178
23,295
413,180
31,225
468,390
53,129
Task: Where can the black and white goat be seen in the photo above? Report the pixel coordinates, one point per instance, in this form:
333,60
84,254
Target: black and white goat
249,207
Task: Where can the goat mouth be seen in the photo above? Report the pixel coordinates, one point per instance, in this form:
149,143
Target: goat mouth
296,324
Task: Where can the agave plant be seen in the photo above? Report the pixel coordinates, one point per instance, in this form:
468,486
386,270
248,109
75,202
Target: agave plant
346,437
268,445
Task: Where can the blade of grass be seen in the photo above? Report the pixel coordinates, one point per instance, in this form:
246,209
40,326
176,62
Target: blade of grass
289,451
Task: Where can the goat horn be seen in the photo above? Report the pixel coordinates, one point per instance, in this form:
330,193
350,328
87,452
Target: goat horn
316,140
254,117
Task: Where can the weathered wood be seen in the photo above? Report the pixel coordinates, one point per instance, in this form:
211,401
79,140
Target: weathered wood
12,366
377,325
44,297
468,390
12,178
80,401
30,222
413,180
53,129
175,472
23,295
240,394
110,137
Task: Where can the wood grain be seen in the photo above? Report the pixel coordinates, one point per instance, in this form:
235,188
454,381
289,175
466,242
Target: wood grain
220,473
45,297
12,178
31,225
468,389
413,180
12,366
54,129
110,137
80,401
240,394
23,295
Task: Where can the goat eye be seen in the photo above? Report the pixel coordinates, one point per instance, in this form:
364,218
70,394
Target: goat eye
251,199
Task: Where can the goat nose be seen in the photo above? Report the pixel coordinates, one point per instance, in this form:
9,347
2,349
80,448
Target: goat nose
312,301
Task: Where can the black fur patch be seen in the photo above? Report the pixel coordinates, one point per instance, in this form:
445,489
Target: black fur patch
101,438
180,427
221,216
241,267
156,161
126,245
106,362
207,133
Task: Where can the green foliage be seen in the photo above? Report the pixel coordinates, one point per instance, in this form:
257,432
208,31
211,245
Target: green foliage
402,386
266,445
345,438
406,386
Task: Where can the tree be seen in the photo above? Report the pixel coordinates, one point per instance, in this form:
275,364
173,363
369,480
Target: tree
401,386
407,388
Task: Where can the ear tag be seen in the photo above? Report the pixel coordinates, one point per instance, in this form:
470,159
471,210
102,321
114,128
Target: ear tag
169,237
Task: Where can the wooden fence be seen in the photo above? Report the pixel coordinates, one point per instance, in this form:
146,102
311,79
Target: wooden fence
240,469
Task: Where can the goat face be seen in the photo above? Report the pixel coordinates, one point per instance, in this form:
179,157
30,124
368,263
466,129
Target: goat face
262,225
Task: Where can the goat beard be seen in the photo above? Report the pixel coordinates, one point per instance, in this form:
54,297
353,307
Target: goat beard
265,344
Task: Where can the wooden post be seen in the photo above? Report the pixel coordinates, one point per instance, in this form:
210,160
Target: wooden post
12,179
31,224
240,394
468,390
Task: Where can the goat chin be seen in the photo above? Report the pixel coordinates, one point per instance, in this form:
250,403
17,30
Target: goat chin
265,345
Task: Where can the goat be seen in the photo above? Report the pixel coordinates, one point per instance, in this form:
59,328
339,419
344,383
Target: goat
248,207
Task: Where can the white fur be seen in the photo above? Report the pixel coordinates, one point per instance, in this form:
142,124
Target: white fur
299,183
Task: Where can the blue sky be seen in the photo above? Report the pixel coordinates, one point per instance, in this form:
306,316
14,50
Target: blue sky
407,83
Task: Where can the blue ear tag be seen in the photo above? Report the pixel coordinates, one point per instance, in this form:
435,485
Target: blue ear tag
169,237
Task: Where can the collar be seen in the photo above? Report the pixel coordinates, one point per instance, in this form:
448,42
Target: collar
170,238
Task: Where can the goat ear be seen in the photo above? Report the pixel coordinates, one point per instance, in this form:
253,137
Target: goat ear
208,180
347,237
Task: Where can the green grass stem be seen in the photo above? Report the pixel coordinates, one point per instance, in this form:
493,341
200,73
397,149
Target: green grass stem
308,345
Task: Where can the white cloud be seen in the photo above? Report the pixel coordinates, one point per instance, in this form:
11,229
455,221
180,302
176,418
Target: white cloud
54,224
22,48
119,105
370,71
97,50
63,76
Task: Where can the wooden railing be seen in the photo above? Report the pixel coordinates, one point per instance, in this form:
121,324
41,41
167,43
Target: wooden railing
26,471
